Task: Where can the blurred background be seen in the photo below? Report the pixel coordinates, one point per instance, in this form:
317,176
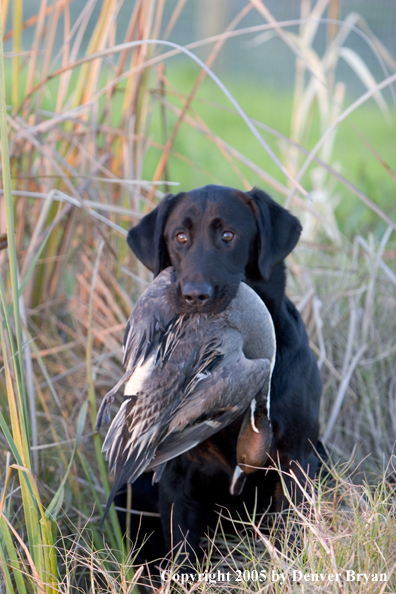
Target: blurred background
295,97
272,76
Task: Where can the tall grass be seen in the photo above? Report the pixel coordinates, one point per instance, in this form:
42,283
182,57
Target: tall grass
78,138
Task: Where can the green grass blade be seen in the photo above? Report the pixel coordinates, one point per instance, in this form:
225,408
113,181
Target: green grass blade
92,403
17,368
17,394
10,439
12,255
33,264
13,561
43,368
88,471
50,513
8,204
4,564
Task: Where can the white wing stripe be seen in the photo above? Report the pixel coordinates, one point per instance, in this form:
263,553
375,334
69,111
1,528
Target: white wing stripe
139,376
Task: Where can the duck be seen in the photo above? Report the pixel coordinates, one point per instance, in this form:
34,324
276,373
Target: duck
187,376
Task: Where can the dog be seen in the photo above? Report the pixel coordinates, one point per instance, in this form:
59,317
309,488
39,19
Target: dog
215,237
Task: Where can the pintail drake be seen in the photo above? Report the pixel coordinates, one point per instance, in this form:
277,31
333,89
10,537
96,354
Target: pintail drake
187,377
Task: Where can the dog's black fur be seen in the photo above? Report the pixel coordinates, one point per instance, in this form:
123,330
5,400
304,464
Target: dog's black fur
229,236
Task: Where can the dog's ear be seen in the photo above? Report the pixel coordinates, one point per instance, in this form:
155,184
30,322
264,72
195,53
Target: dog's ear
279,231
146,239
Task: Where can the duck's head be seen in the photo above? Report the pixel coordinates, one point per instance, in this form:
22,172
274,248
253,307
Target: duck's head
254,443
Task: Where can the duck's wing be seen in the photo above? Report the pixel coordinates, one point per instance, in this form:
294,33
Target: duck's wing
142,422
214,403
154,391
151,320
137,429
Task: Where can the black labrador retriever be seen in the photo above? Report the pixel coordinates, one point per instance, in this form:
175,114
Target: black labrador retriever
215,237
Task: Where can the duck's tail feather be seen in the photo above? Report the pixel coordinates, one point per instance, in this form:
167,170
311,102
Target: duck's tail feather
158,470
103,415
127,474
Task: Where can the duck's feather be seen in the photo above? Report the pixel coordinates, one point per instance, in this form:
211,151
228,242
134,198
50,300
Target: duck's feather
186,378
214,403
162,392
149,322
148,325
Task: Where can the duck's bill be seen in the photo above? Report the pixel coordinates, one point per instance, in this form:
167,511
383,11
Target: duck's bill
238,481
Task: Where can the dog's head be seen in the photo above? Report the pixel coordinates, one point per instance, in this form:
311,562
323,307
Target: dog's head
214,237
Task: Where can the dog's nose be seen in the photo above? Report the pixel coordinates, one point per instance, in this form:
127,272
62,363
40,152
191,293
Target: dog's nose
197,293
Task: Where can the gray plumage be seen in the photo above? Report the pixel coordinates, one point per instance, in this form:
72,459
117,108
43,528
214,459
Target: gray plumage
187,377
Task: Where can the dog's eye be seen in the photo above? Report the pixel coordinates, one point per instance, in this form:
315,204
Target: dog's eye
181,238
227,236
